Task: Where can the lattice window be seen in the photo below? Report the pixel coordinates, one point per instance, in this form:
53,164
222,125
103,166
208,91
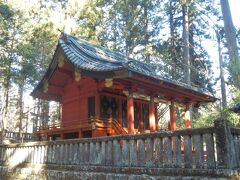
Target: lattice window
91,106
124,114
136,115
109,107
145,115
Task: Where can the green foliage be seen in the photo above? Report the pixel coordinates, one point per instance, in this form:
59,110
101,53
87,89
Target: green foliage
26,74
180,122
210,114
207,119
6,12
131,27
43,42
89,21
238,38
234,70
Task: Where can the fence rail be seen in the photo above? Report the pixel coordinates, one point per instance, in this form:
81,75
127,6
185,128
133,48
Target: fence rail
16,136
191,148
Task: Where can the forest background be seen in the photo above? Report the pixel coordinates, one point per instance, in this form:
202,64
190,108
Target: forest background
184,39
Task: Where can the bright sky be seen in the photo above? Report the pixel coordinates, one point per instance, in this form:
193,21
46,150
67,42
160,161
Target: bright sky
235,5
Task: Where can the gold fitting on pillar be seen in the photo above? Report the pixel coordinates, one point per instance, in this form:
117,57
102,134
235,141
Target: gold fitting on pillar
45,86
61,62
93,125
77,75
152,99
108,82
130,94
126,93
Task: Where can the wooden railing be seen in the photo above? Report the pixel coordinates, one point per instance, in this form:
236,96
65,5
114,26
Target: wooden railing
109,123
118,127
26,137
87,123
192,148
73,123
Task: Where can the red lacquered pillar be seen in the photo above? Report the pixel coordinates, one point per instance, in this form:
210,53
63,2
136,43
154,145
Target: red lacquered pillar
172,117
130,113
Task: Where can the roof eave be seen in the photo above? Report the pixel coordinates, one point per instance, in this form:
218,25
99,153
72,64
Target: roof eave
206,96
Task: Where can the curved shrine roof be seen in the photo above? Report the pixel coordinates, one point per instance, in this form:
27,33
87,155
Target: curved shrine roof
87,56
91,57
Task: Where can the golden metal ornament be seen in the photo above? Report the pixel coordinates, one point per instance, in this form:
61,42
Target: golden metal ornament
61,61
77,75
108,82
45,86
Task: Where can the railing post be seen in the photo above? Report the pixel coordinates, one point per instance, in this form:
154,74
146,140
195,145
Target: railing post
224,143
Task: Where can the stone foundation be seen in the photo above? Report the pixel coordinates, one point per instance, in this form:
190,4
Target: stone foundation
53,172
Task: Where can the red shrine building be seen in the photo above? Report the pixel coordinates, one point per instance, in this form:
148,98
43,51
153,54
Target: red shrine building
105,93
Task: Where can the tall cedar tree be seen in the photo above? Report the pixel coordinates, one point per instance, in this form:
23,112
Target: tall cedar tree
230,33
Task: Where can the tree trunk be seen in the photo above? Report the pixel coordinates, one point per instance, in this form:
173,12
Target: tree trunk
7,86
6,96
59,112
36,113
115,34
231,43
223,86
20,106
185,36
146,35
44,112
186,52
27,119
172,34
193,73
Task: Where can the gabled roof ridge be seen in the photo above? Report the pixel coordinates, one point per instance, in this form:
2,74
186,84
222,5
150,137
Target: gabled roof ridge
67,36
112,56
